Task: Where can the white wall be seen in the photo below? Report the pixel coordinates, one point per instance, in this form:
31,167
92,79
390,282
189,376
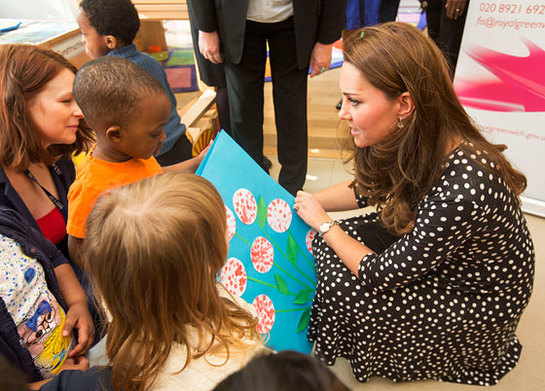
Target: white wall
38,9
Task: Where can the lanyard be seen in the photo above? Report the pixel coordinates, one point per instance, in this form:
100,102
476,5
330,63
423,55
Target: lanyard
53,199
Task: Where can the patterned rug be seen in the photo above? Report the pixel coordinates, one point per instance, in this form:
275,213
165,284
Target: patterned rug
179,66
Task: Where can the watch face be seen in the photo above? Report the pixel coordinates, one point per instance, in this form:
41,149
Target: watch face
324,227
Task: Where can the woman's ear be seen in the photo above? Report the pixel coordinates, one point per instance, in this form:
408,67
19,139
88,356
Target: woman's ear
113,134
406,105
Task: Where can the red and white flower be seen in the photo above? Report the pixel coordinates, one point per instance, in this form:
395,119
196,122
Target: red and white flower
262,254
245,206
233,277
265,313
279,215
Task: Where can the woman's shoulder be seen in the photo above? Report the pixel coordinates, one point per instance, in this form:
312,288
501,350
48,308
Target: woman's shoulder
471,168
10,220
469,176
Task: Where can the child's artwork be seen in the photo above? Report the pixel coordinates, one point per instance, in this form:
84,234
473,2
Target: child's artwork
269,263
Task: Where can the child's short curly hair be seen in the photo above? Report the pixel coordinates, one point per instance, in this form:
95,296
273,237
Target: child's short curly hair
113,17
109,90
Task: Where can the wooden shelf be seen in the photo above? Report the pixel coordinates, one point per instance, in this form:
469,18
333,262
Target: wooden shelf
161,9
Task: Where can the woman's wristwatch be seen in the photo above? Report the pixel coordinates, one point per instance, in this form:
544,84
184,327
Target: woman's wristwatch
326,226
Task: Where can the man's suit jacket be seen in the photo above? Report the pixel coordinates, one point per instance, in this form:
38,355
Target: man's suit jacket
314,20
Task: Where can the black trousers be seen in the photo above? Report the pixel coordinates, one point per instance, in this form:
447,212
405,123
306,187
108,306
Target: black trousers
245,82
447,33
388,11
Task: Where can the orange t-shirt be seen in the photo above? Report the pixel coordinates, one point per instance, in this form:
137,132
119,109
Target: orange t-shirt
94,176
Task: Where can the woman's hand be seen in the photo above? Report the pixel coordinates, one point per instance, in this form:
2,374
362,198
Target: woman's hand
309,209
79,318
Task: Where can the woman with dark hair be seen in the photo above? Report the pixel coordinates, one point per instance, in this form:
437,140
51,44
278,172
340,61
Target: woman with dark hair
433,285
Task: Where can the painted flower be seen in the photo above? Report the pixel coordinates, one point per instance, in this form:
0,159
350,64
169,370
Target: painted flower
265,313
245,206
262,254
309,238
231,223
233,277
279,215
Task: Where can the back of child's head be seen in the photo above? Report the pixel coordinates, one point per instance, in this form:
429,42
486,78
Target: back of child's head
109,90
284,371
154,250
113,17
167,237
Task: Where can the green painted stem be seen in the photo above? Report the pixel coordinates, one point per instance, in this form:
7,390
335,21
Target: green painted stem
244,240
275,264
266,284
293,309
299,281
286,256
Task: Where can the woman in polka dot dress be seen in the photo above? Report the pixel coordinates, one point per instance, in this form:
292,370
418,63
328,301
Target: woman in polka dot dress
433,285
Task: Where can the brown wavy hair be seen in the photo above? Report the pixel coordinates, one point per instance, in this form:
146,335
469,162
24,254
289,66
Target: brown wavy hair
154,250
24,71
396,173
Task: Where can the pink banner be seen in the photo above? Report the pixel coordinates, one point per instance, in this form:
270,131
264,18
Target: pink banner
500,80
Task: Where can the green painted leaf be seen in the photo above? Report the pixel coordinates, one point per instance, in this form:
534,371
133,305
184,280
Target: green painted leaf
261,212
303,321
292,250
281,284
303,296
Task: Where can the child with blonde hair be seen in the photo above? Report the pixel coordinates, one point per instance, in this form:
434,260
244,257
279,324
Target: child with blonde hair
154,250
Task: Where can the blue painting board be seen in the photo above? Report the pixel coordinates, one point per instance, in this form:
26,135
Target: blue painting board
269,263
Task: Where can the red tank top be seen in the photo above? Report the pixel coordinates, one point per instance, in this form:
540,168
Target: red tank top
53,225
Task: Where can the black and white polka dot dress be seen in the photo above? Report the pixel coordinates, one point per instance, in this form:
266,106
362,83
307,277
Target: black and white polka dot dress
443,301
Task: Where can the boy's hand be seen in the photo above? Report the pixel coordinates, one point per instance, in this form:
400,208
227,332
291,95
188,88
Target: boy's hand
77,363
80,363
190,165
78,317
202,154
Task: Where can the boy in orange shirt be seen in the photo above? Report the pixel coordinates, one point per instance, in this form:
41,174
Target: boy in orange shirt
127,108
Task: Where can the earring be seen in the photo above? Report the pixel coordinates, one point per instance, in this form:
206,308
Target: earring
400,123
